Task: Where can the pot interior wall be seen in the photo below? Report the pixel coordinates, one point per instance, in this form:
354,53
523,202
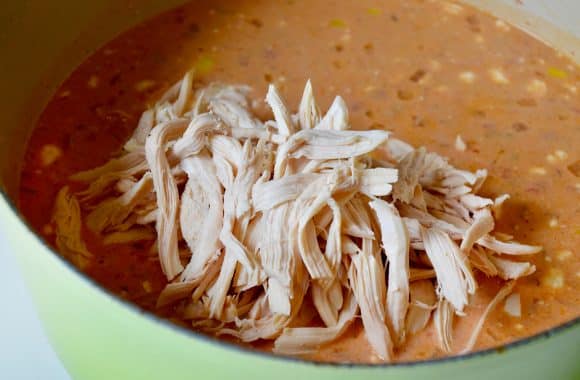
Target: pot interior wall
41,42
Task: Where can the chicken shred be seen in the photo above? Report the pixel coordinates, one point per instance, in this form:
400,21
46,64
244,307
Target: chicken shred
368,285
500,296
422,302
308,112
454,277
396,247
256,221
443,320
67,218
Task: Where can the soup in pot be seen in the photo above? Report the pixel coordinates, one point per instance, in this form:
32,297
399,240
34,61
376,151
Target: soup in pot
343,181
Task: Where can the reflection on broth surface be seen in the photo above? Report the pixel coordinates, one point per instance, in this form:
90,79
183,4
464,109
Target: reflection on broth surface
437,74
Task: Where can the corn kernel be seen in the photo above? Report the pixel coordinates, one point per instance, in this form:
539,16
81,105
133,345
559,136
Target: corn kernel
434,65
467,76
562,155
538,170
47,230
337,23
451,8
144,85
537,87
573,89
563,254
346,37
93,82
557,73
554,278
147,286
501,25
204,64
498,76
49,154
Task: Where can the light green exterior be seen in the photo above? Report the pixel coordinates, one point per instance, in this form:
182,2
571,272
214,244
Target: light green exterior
98,337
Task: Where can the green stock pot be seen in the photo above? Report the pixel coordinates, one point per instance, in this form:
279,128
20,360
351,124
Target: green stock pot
99,336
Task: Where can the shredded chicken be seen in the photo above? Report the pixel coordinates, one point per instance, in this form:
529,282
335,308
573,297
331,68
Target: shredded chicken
67,218
396,247
302,340
368,284
500,296
422,303
260,225
443,320
460,144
